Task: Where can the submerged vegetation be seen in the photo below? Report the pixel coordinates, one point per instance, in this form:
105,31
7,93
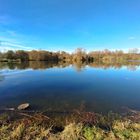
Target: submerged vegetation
75,126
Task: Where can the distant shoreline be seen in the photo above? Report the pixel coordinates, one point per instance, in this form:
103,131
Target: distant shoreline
80,55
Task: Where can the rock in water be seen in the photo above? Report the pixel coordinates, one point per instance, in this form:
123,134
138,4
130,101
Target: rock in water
23,106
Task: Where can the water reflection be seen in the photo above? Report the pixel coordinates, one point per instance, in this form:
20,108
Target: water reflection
1,78
132,66
58,87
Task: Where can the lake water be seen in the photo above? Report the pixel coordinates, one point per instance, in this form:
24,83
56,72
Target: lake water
64,87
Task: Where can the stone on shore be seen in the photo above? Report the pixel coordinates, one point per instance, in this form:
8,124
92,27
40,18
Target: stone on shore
23,106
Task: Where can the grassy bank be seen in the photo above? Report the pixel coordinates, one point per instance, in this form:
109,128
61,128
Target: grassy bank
75,126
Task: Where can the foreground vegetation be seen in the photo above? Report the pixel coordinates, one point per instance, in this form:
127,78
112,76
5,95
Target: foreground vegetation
75,126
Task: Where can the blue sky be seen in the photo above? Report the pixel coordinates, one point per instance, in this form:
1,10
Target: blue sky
68,24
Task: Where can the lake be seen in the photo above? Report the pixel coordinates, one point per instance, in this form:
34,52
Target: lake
64,87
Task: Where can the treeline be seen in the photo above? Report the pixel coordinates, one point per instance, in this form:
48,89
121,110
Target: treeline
80,55
28,55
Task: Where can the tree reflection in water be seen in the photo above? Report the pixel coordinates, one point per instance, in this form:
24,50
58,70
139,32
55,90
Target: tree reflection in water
61,64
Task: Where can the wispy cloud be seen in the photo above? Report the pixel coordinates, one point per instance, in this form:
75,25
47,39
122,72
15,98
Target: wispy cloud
12,40
131,38
5,46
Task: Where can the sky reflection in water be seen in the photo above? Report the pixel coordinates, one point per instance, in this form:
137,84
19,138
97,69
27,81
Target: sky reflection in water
64,88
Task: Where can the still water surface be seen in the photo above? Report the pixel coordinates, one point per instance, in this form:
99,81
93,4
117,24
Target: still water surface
95,88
